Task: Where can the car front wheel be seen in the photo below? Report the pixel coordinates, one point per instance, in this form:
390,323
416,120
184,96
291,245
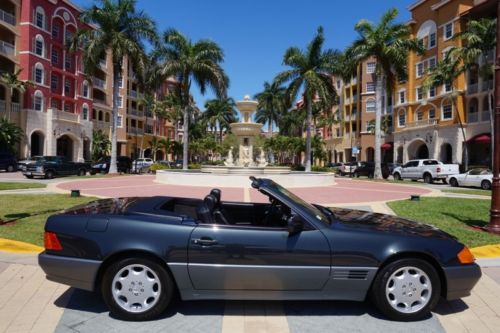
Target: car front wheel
486,185
397,176
453,182
406,289
137,289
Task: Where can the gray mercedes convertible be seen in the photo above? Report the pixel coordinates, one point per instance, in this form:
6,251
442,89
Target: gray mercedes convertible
139,252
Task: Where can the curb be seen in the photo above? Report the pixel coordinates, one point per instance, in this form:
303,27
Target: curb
486,251
12,246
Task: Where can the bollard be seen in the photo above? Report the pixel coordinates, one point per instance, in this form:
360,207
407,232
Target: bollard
75,193
415,197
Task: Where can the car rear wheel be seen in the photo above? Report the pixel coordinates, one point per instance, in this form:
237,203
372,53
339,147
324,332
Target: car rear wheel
10,168
356,174
397,176
49,174
486,185
428,178
82,172
29,177
453,182
137,289
406,289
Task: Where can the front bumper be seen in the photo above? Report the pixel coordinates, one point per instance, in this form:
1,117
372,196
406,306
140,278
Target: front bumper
75,272
34,173
460,280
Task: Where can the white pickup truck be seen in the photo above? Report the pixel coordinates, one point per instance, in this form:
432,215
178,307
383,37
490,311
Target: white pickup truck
426,169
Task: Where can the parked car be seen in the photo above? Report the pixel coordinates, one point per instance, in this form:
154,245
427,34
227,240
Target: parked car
22,163
475,177
427,169
123,164
8,162
368,169
140,252
347,168
141,165
52,166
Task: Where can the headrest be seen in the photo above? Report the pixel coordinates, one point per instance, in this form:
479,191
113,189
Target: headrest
210,201
216,193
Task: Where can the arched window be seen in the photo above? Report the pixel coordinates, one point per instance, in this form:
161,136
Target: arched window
428,31
107,117
94,115
401,118
39,46
100,116
38,101
85,112
85,89
40,18
39,75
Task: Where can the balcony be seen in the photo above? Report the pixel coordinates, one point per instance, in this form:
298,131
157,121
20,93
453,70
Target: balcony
65,116
351,117
3,106
15,107
100,101
472,88
487,85
7,48
7,17
135,130
99,83
485,115
421,123
472,117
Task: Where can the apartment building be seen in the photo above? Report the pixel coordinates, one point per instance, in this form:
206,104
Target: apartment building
427,123
63,106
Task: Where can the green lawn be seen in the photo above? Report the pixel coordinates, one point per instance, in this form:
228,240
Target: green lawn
453,215
466,191
31,212
19,185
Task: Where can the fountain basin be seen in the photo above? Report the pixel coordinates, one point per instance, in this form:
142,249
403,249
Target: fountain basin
249,171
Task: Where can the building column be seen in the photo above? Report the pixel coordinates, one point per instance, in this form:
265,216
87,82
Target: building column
51,140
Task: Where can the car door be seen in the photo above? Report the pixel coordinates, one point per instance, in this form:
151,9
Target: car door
406,170
232,257
472,178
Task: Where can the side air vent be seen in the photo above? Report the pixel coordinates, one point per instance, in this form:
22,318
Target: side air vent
348,274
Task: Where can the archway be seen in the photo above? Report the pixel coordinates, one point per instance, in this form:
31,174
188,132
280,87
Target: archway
86,149
147,153
446,153
418,150
159,155
65,147
36,143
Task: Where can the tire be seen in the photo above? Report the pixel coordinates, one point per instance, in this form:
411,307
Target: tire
92,173
117,285
486,185
453,182
355,174
444,181
371,175
11,168
397,176
49,174
406,289
29,177
428,178
82,172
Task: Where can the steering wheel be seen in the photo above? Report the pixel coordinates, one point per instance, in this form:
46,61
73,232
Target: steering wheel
274,214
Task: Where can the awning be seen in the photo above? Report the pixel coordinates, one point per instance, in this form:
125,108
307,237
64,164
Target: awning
386,146
481,138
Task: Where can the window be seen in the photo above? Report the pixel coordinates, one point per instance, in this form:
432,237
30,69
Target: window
338,86
432,92
85,90
432,40
120,101
100,116
401,118
432,63
447,111
68,37
119,122
67,62
39,45
40,18
39,73
54,83
67,87
106,117
419,116
68,108
420,69
370,106
402,97
432,113
38,101
447,87
55,57
370,87
120,81
370,67
448,30
419,93
85,112
370,126
55,30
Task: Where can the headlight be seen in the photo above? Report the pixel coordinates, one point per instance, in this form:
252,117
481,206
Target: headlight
39,169
104,165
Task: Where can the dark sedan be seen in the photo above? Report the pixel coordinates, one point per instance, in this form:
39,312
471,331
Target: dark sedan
139,252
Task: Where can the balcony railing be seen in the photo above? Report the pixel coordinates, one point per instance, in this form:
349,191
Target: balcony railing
7,17
100,101
485,115
3,106
15,107
99,83
65,116
421,123
472,117
7,48
472,88
487,85
351,117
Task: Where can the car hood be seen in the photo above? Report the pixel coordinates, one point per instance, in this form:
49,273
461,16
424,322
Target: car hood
382,223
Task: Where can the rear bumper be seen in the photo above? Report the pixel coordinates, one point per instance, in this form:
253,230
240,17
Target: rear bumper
460,280
75,272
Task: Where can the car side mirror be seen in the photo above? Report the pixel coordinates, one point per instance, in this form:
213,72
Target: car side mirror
295,224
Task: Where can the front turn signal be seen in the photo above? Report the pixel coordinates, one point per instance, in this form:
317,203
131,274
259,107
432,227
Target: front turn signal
51,242
465,256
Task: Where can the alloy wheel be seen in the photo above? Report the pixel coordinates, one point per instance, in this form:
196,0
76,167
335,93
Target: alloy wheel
408,289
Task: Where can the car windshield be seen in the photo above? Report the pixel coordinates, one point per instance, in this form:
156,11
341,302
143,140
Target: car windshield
304,205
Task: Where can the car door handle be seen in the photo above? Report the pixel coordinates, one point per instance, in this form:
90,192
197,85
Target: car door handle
205,241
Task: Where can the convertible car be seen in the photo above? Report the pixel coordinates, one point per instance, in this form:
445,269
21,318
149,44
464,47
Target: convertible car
139,252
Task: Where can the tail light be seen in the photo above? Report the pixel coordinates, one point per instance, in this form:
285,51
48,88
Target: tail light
438,169
51,242
465,256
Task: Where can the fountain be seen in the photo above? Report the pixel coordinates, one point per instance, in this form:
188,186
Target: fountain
235,171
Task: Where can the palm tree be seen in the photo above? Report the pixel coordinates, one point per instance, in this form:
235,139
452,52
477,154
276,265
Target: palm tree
390,43
10,134
272,104
310,72
479,39
192,62
100,144
11,80
121,31
220,113
155,145
446,72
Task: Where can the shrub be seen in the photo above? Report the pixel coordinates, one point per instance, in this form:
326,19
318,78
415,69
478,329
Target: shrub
194,166
158,166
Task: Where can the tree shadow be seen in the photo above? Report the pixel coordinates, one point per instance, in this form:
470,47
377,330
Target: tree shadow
468,222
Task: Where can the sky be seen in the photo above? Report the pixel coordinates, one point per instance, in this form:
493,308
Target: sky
255,34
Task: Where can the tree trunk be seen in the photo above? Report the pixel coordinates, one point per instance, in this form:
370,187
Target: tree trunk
466,151
308,133
10,106
185,145
492,125
379,86
117,68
